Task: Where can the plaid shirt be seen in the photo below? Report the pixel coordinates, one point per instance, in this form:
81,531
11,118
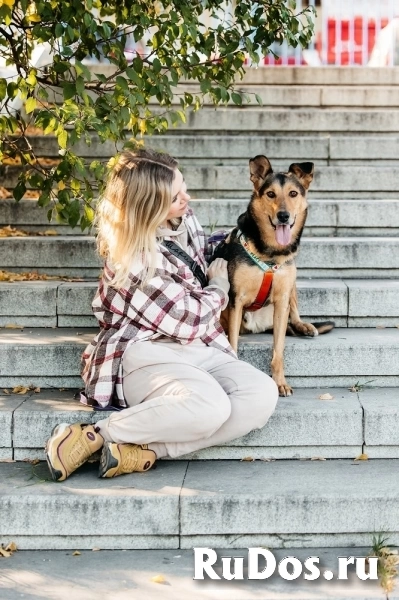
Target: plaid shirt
171,304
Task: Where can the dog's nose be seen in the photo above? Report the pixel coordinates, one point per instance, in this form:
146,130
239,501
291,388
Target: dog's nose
283,216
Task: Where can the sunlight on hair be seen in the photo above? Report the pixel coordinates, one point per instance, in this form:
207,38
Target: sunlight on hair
136,201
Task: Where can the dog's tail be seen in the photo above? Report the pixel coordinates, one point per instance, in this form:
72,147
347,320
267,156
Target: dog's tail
323,327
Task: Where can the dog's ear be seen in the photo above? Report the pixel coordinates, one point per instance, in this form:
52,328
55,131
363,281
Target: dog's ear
303,172
259,168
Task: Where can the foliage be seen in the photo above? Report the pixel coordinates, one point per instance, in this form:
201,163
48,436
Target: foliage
125,95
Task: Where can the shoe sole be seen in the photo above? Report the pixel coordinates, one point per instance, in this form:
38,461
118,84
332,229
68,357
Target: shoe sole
108,463
56,468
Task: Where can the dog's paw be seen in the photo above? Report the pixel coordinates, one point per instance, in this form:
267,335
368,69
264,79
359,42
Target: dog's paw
285,390
301,328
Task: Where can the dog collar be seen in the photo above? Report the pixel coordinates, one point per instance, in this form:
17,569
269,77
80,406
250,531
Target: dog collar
265,266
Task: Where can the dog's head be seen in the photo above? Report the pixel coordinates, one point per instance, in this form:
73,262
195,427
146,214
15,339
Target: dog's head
279,199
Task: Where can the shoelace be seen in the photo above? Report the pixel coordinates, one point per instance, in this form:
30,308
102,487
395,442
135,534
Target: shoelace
79,451
131,459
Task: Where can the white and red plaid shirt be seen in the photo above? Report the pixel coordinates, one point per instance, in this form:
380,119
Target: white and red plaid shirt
171,304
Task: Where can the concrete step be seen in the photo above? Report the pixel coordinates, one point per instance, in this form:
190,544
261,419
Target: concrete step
92,575
223,504
51,357
302,121
302,426
210,181
215,148
350,303
319,257
340,218
302,75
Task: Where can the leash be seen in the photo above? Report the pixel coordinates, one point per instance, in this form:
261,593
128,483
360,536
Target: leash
268,268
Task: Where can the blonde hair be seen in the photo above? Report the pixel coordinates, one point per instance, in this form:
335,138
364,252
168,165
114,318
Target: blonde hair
136,201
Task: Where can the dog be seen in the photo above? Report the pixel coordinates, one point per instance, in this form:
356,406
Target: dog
260,252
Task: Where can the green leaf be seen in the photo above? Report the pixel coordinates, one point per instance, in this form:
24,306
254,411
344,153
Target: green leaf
30,105
62,139
69,90
19,190
3,88
258,99
237,99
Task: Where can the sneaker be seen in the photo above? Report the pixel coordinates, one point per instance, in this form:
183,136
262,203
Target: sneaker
69,447
117,459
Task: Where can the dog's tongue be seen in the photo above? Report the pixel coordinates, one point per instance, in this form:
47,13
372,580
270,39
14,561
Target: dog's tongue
283,234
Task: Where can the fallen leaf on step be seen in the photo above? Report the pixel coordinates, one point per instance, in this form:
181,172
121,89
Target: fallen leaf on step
34,276
247,459
4,193
159,579
7,551
6,391
380,327
96,549
31,461
76,553
318,458
11,547
362,457
268,459
36,390
13,326
326,397
20,389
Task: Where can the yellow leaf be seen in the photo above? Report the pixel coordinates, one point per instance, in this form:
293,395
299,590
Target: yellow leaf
61,185
34,18
4,553
96,549
247,459
13,326
362,457
11,547
50,232
76,553
158,579
20,389
30,105
9,3
36,390
326,397
6,391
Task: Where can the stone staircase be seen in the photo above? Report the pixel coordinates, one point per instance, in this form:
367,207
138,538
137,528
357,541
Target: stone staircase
347,122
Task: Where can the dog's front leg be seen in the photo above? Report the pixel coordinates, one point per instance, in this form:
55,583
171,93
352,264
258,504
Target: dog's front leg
299,327
235,317
280,320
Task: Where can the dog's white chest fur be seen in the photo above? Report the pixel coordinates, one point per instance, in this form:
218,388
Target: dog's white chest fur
259,320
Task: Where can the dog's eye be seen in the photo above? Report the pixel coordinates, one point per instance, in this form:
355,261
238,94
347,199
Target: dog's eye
293,194
270,194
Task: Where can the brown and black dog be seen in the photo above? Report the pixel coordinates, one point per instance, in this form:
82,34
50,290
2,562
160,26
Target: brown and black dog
260,252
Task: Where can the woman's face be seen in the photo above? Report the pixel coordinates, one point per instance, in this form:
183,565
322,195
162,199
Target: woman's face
180,197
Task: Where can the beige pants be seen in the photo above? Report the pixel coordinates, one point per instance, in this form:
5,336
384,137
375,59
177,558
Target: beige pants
184,398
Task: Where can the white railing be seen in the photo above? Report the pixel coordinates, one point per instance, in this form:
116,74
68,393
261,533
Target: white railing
347,32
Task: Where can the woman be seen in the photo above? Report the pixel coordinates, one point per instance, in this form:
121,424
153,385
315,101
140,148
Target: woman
161,354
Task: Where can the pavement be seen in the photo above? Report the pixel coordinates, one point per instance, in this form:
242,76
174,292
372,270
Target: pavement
128,575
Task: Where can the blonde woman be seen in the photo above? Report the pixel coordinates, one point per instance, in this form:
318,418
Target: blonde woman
161,359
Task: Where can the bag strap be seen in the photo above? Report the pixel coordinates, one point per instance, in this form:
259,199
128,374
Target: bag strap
186,258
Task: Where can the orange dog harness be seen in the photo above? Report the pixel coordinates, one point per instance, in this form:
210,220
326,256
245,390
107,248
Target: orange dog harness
268,272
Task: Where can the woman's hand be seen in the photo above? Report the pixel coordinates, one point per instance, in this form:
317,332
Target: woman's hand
218,268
